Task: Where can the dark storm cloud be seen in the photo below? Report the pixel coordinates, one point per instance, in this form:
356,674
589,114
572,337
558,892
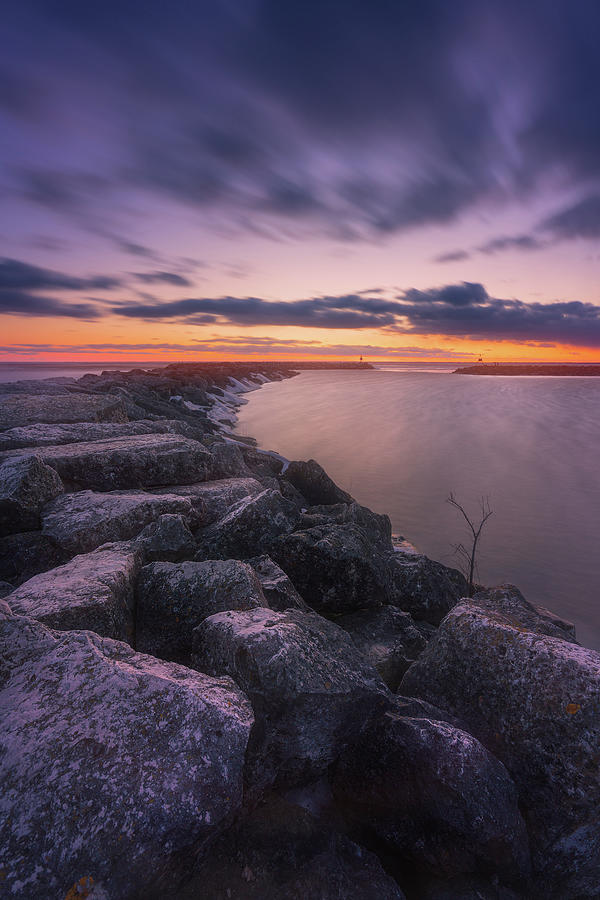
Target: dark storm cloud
580,220
17,275
360,117
21,303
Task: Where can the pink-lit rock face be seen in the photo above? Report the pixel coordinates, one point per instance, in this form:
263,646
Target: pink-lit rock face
26,484
533,700
110,760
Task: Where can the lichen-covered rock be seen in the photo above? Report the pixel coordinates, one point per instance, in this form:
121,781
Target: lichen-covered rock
387,637
314,483
280,852
533,700
310,688
21,409
433,796
378,528
48,435
172,599
26,484
80,522
215,498
142,460
249,527
512,605
110,761
277,587
425,588
93,592
168,539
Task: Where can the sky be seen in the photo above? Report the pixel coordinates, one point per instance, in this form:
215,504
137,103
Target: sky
259,179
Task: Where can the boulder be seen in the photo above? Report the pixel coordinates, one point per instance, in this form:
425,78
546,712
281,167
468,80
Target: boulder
387,637
27,554
6,588
172,599
47,435
533,700
249,527
314,483
137,461
21,409
227,460
425,588
215,498
378,528
26,484
78,523
277,587
110,762
93,592
280,852
168,539
512,605
310,688
433,796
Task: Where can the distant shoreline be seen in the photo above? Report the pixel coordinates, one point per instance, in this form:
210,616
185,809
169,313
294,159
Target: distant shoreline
490,369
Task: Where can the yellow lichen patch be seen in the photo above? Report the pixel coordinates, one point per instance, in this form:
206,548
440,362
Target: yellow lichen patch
572,708
81,888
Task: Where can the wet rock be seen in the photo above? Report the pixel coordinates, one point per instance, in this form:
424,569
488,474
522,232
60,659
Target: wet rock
387,637
533,700
310,689
173,599
80,522
280,852
249,527
433,796
136,461
314,483
425,588
92,592
277,587
111,761
168,539
46,435
26,484
512,605
17,410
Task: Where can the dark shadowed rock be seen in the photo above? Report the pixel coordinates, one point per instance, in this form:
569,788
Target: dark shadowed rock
168,539
249,527
533,700
93,592
310,688
216,498
83,521
314,483
227,460
262,462
512,605
467,887
434,796
26,484
129,462
110,761
425,588
378,528
28,554
172,599
277,587
387,637
47,435
6,588
280,852
21,409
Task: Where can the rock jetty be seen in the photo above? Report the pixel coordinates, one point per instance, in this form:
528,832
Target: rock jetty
222,678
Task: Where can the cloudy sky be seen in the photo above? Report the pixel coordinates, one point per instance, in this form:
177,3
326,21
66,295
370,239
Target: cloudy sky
258,178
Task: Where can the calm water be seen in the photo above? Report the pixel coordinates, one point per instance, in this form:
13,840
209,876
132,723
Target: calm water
400,441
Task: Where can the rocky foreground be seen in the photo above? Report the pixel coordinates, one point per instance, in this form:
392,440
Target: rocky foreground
220,676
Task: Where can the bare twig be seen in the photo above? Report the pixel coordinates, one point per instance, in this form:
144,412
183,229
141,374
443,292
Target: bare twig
469,556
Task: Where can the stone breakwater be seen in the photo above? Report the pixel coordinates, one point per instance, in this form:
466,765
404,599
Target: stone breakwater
221,678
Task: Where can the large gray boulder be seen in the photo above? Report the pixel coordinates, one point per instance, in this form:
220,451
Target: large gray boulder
215,498
533,700
310,688
80,522
512,605
377,528
277,587
387,637
48,435
142,460
314,483
280,852
21,409
425,588
167,539
249,527
110,761
26,484
172,599
433,796
94,592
